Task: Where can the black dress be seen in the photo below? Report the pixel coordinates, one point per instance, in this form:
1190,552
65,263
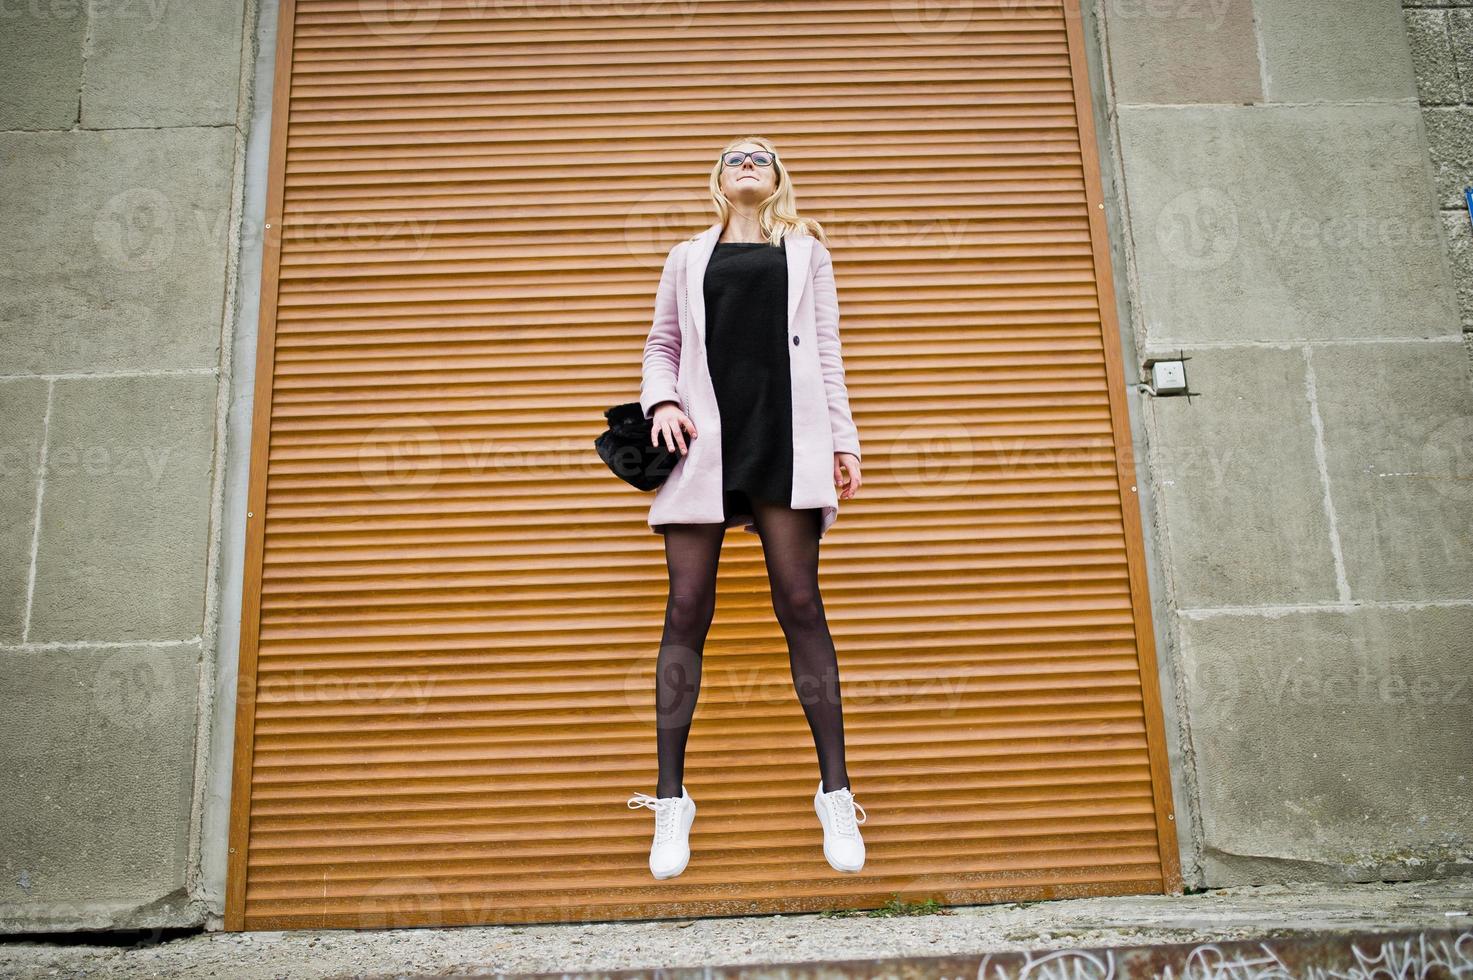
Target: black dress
746,292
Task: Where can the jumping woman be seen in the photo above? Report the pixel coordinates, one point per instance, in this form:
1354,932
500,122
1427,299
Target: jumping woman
745,349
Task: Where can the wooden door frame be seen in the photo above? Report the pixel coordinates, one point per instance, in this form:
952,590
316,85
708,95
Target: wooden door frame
1130,511
243,754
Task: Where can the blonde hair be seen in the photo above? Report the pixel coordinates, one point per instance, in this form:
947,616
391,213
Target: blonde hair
777,216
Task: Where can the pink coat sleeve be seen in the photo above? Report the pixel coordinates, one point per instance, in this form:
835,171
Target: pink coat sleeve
831,354
662,347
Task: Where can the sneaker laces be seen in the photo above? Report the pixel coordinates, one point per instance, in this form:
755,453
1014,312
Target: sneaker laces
841,804
666,808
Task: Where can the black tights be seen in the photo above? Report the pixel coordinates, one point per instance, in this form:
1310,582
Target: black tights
790,548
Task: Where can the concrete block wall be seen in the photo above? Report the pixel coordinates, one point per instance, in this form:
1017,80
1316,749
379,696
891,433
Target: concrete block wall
120,151
1442,55
1287,221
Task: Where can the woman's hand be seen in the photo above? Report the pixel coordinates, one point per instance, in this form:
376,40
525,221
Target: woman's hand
849,485
669,421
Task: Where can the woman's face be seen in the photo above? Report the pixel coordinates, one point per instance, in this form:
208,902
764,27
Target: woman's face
748,184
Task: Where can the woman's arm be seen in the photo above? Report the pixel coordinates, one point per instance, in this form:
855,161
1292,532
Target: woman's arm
831,354
662,347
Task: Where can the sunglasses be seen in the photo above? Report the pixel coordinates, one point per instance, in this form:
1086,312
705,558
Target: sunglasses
760,157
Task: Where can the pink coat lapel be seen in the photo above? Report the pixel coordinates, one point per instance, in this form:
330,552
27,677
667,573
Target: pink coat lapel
698,256
675,367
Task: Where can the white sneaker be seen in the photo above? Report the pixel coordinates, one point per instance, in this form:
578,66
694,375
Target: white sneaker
842,845
670,850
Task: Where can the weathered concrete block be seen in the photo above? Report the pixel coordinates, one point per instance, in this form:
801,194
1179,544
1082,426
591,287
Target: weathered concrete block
1450,141
114,249
1242,457
125,511
1332,745
1433,60
1335,50
1460,29
1174,52
1278,223
163,64
96,770
1460,244
22,418
41,64
1398,427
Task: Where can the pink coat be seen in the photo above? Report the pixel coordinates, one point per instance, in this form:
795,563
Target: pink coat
675,368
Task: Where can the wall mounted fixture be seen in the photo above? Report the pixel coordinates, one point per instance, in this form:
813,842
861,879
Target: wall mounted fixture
1167,376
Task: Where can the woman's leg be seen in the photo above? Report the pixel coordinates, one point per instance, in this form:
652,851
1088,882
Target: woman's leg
691,555
790,548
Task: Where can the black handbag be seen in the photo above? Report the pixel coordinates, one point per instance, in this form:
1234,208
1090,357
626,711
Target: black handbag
625,447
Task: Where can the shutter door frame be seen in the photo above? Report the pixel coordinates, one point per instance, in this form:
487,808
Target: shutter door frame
255,536
1110,328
